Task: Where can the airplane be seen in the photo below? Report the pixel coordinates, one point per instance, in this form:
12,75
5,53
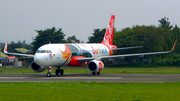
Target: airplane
58,55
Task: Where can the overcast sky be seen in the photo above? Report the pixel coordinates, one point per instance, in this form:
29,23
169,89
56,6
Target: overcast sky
20,18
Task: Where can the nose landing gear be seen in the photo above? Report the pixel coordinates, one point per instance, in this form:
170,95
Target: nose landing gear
49,71
48,74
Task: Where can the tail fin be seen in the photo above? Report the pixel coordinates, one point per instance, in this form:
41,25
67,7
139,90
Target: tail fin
108,37
5,47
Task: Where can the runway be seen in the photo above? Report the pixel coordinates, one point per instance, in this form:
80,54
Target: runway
114,78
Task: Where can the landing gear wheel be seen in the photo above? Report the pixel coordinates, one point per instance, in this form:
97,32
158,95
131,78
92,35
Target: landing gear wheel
98,73
61,71
48,74
57,71
93,73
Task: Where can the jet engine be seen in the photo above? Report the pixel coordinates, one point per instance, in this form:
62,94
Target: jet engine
36,68
95,66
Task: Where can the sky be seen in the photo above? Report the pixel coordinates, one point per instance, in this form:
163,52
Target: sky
20,18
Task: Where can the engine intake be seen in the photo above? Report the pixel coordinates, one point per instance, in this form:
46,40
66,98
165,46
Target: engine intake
36,68
95,66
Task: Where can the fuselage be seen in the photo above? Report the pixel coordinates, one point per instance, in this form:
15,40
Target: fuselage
61,54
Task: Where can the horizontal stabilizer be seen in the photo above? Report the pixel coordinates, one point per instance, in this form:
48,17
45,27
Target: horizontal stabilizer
127,48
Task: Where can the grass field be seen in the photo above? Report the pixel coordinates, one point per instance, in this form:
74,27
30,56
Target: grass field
88,91
91,91
107,70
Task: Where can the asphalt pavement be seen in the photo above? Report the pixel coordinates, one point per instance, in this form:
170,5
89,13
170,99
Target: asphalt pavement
114,78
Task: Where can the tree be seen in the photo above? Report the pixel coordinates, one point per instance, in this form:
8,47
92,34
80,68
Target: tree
19,41
72,39
175,34
24,42
165,23
51,35
12,42
97,36
150,37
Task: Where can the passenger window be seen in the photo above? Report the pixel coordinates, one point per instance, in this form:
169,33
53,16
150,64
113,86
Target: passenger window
86,53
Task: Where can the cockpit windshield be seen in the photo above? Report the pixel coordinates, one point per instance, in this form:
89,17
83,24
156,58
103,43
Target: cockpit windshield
43,51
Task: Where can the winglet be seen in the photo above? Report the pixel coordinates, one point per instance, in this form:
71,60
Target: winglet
174,45
5,47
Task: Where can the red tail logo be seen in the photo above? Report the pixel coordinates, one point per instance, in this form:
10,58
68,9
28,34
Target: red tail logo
5,49
108,38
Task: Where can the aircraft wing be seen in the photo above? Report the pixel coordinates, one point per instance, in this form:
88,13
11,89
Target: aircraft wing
126,55
5,51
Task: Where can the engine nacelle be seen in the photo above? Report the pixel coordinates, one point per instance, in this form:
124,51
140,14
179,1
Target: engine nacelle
95,66
36,68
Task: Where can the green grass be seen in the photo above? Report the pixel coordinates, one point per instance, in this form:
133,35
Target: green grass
107,70
89,91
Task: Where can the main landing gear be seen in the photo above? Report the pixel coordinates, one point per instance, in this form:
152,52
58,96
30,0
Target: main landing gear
94,73
57,72
61,71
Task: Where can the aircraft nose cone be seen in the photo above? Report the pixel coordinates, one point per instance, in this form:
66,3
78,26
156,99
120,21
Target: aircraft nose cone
37,59
40,59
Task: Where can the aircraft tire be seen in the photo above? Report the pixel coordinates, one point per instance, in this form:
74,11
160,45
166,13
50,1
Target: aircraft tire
98,73
57,71
48,74
93,73
61,71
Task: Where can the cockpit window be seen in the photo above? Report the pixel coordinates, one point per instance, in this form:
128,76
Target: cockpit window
43,51
38,51
48,51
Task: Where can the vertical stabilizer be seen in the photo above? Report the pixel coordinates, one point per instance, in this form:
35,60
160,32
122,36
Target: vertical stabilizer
108,37
5,47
